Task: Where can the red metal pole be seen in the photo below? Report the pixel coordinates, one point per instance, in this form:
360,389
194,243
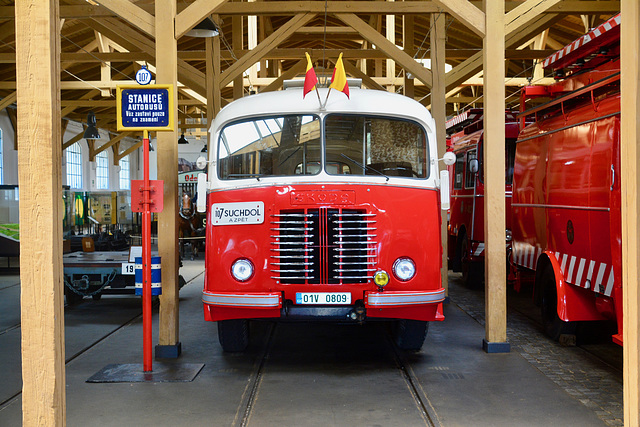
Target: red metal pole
146,260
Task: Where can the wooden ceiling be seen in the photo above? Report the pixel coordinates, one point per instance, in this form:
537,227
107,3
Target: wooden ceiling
102,48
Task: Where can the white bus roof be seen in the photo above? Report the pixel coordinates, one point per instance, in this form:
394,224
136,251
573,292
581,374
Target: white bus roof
290,101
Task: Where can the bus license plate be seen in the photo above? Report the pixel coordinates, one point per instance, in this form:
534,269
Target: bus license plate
323,298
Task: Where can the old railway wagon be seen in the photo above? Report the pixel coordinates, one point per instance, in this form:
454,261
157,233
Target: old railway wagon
323,213
566,191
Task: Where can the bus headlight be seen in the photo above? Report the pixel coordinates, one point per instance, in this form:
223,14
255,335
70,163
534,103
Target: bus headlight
242,270
404,269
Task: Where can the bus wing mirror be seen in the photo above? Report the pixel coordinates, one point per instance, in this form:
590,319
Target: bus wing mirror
201,162
449,158
201,204
445,194
473,165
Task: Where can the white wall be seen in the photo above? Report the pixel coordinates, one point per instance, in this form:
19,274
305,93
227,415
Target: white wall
188,152
9,155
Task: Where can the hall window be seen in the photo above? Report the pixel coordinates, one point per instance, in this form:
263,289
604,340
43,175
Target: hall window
102,171
74,166
125,173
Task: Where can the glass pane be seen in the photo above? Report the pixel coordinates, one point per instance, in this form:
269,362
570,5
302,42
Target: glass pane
270,146
458,171
361,145
469,176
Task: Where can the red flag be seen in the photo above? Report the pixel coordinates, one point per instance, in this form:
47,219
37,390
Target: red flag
339,78
310,79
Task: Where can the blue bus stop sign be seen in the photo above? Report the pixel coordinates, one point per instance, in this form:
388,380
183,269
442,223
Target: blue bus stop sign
145,108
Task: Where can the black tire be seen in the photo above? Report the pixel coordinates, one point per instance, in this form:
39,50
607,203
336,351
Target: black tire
72,297
233,335
456,263
96,297
553,326
410,334
472,272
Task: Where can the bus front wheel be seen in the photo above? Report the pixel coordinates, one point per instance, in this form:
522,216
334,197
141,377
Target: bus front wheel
410,334
233,335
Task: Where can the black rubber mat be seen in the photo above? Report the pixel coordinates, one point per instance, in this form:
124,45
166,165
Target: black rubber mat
134,373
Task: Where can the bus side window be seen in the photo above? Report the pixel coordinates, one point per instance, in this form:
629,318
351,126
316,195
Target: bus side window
458,171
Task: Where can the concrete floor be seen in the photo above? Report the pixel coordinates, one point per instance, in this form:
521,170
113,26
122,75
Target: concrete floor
296,374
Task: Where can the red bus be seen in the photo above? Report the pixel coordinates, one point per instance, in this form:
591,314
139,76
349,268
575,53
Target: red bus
466,216
323,213
566,191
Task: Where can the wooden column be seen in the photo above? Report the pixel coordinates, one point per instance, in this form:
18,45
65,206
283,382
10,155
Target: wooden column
630,186
214,99
390,63
167,73
39,177
237,32
438,110
494,165
408,35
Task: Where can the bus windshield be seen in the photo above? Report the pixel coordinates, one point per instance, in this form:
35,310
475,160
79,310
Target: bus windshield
291,145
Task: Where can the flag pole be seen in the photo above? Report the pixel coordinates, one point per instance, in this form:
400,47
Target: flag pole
319,101
326,99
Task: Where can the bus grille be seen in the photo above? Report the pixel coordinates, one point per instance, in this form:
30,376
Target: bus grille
328,246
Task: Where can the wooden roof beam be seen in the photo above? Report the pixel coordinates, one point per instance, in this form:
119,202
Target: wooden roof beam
194,13
132,40
589,7
357,73
381,42
471,16
133,14
522,15
265,46
298,68
473,64
111,142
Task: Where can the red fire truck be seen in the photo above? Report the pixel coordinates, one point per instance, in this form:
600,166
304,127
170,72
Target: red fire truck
466,216
566,191
323,213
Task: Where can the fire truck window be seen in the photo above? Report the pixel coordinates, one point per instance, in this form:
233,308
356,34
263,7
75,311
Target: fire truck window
270,146
510,159
375,146
469,177
458,171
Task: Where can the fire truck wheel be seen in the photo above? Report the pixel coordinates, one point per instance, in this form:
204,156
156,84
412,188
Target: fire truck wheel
472,274
233,335
410,334
72,297
553,326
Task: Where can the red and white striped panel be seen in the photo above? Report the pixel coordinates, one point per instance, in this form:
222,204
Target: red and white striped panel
588,274
456,120
591,35
467,115
477,249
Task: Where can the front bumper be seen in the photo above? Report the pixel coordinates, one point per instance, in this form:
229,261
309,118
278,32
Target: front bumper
417,305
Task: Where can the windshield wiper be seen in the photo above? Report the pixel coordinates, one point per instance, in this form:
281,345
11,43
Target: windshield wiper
364,167
245,175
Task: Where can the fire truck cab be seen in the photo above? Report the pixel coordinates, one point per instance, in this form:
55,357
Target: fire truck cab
566,191
325,212
466,216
